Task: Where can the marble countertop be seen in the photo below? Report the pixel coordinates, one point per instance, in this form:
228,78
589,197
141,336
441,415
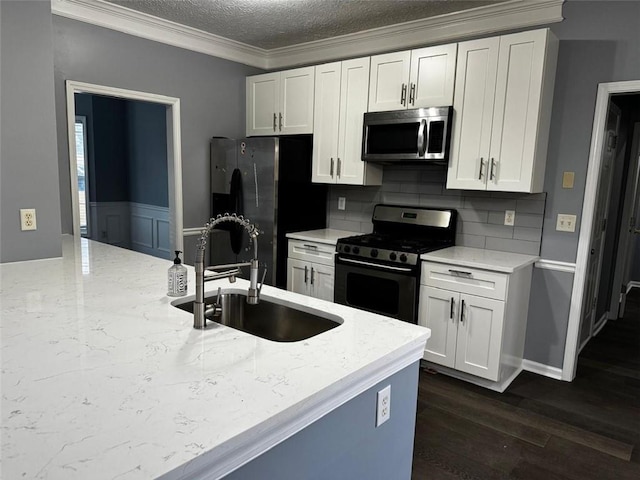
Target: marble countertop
103,378
479,258
329,236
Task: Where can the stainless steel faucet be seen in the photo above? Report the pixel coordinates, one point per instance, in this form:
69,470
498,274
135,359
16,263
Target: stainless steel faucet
224,271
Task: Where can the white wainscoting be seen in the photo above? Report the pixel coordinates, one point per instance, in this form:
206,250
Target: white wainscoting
136,226
150,230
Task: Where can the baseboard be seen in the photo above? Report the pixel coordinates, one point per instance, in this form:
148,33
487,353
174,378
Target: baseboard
632,284
599,325
541,369
499,386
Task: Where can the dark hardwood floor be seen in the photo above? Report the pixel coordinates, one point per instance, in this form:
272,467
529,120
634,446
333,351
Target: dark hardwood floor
539,428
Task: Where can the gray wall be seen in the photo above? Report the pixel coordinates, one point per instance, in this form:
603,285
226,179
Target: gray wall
599,42
28,157
345,444
211,92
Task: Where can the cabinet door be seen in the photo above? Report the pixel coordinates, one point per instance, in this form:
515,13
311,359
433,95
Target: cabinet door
516,114
431,81
263,104
388,86
326,114
298,276
353,104
438,310
473,112
479,336
321,281
296,99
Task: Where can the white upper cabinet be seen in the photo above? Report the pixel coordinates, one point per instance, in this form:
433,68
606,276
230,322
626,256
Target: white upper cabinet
280,103
413,79
502,112
340,103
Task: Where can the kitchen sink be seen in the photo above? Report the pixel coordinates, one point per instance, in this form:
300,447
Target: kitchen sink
268,319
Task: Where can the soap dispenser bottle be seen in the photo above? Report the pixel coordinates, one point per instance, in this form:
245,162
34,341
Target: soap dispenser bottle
177,277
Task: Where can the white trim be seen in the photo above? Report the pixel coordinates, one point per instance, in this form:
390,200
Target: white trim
499,386
174,157
542,369
600,324
555,265
632,284
132,22
486,20
605,90
325,402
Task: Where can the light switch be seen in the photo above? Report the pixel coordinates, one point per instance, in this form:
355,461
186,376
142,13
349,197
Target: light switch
568,179
342,203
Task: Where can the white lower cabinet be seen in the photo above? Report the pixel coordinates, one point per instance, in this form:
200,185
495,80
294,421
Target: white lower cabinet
466,331
477,319
310,269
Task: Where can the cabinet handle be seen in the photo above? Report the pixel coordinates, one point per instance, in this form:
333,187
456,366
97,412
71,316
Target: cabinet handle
461,272
275,119
403,94
280,115
315,247
412,94
305,274
481,167
331,168
339,166
451,309
492,174
311,275
462,312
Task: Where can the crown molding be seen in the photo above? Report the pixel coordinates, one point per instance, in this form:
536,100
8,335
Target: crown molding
511,15
126,20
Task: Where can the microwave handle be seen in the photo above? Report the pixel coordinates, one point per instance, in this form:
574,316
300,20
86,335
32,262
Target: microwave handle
422,138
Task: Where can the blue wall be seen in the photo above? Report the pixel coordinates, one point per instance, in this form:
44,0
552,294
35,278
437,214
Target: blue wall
147,153
127,150
345,444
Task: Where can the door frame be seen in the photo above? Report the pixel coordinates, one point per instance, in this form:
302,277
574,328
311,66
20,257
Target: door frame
605,90
174,148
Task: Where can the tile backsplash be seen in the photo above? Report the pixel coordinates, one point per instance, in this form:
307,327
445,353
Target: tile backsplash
480,214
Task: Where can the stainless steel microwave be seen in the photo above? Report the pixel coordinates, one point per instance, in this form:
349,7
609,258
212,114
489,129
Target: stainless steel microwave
416,135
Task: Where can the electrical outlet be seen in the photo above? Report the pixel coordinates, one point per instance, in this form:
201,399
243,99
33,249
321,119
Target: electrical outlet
509,217
28,218
566,223
384,405
342,203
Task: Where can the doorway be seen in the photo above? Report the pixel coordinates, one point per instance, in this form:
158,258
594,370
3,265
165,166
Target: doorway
602,217
173,154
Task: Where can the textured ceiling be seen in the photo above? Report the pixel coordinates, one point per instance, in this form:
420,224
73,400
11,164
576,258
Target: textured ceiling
278,23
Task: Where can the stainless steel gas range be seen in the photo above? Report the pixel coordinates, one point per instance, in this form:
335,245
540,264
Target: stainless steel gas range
380,272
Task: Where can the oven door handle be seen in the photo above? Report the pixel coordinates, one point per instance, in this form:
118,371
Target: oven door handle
375,265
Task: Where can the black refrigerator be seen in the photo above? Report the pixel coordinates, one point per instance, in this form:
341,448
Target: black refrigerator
268,180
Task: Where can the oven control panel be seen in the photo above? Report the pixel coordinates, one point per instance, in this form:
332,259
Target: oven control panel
378,254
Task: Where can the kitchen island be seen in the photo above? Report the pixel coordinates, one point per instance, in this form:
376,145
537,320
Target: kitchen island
103,378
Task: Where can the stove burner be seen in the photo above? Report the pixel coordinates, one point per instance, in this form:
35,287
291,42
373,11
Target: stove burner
401,235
